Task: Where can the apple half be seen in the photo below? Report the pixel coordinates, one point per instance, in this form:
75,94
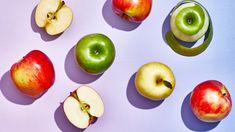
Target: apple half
83,107
53,15
189,22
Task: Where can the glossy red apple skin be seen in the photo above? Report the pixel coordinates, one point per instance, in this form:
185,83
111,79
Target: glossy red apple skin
34,74
210,101
133,10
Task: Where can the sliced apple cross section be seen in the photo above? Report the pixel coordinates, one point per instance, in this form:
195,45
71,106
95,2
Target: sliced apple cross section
83,107
53,15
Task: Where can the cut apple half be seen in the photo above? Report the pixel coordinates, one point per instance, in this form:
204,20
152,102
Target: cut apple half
53,15
83,107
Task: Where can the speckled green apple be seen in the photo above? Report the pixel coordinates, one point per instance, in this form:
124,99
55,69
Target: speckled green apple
155,81
95,53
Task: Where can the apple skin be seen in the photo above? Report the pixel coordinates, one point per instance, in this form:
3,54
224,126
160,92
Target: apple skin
95,53
189,21
132,10
33,74
155,81
210,101
83,107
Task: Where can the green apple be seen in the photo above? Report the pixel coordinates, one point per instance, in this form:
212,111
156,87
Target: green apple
189,22
155,81
95,53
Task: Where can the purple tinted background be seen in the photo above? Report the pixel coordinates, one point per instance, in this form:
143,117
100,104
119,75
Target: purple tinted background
125,109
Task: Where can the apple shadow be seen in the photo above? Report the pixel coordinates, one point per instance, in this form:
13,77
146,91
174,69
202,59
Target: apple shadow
116,21
46,37
74,72
63,123
138,100
166,28
191,121
11,93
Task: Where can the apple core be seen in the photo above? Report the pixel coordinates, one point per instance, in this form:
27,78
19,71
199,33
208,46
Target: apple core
52,15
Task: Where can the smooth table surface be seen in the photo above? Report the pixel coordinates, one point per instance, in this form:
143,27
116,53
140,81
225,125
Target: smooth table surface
125,109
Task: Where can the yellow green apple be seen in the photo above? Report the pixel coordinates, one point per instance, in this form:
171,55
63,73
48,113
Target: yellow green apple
155,80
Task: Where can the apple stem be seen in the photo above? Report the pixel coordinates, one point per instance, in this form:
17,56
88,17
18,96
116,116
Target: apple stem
51,16
159,81
190,21
168,84
60,5
96,52
224,94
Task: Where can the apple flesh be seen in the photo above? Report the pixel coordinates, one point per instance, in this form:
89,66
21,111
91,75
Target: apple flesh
53,15
33,74
189,21
83,107
95,53
155,80
210,101
132,10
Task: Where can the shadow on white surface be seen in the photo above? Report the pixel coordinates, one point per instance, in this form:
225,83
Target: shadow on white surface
138,100
114,20
11,93
63,123
74,72
191,121
41,31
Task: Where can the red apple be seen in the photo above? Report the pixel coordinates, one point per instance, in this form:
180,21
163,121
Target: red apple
33,74
210,101
132,10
